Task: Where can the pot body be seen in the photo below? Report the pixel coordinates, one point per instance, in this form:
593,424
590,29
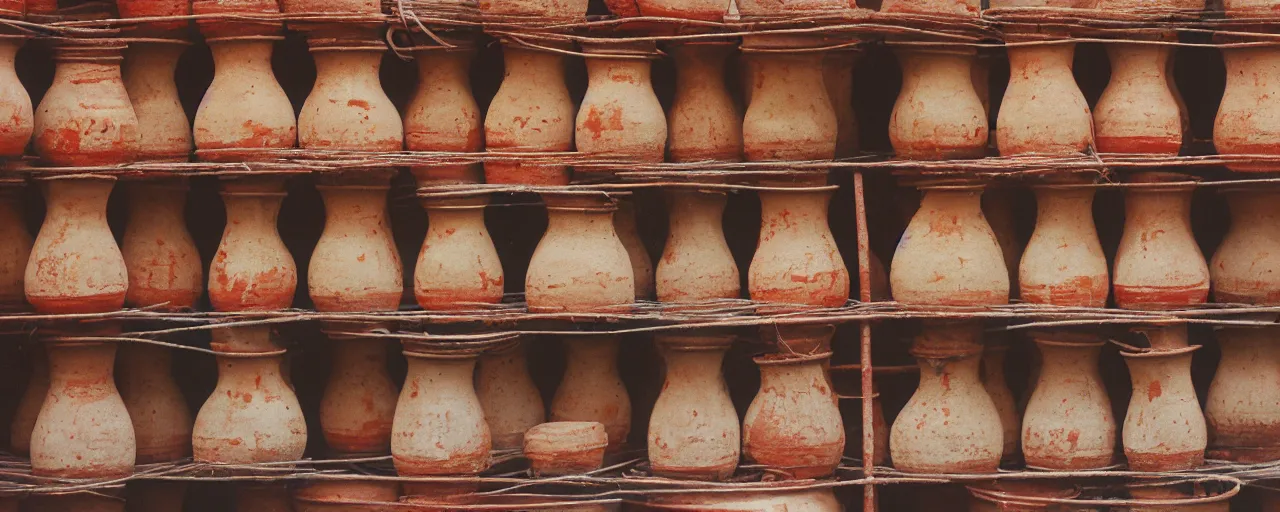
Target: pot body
347,108
1243,267
244,107
75,264
86,118
580,264
1138,112
160,256
696,263
1063,263
443,115
160,415
359,401
439,426
703,122
620,114
1243,407
83,430
1158,264
938,114
15,104
592,389
1164,429
532,111
511,401
693,430
1043,109
793,425
355,265
164,132
948,254
458,266
252,270
789,116
796,260
1068,424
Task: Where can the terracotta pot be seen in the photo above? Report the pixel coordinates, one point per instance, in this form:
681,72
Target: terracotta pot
161,418
1138,111
693,429
591,389
336,496
356,265
1069,380
244,107
700,10
15,253
789,116
837,73
1243,406
553,9
1151,6
252,270
1067,4
938,114
948,254
1240,271
580,265
511,401
75,264
15,103
1063,263
24,417
620,115
359,399
147,496
624,224
784,7
253,414
155,9
1158,264
1164,429
164,132
950,425
1166,492
817,500
565,447
696,263
1246,8
443,115
532,111
703,122
793,425
998,208
347,108
458,267
330,7
1020,496
81,386
85,118
994,354
796,260
1043,109
160,256
439,426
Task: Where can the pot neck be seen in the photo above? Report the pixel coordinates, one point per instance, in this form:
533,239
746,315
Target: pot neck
1041,59
242,57
348,66
532,67
1137,61
81,363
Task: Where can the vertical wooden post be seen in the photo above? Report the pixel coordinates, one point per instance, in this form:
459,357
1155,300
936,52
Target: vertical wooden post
864,294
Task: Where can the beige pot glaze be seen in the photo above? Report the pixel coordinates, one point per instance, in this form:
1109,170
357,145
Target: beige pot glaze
1043,109
624,224
458,266
1247,121
837,74
693,429
443,115
356,265
1243,269
1138,111
155,496
1068,423
532,111
938,114
511,401
950,425
244,107
24,417
1243,407
793,424
159,254
329,496
1063,263
439,426
948,254
1158,264
565,447
15,103
252,270
253,414
620,114
347,108
81,386
581,264
789,116
15,253
161,418
696,263
75,264
164,132
592,389
703,122
554,9
784,7
994,354
359,400
1164,429
85,118
796,260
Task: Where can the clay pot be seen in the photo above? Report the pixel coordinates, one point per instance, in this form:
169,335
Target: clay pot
1158,496
693,429
85,118
998,208
837,73
81,386
154,9
348,7
796,260
160,256
1043,110
1158,264
164,132
793,425
1069,380
147,496
359,399
347,108
458,267
785,7
1020,496
337,496
532,111
620,115
1151,6
703,122
439,426
580,265
1241,269
938,114
24,417
161,419
244,107
789,116
1138,111
75,264
699,10
696,263
565,447
624,224
15,103
1245,123
1246,8
1243,406
356,265
816,500
948,254
591,389
15,253
443,115
994,354
950,425
553,9
252,270
1164,429
253,414
511,401
1063,263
